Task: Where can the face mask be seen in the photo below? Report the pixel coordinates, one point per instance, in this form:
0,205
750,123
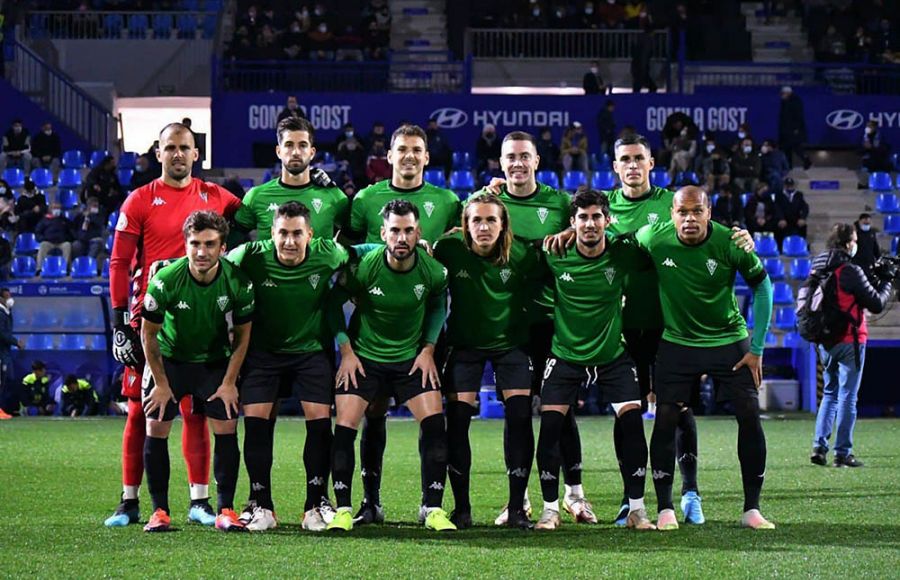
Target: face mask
747,150
348,134
48,132
10,303
94,210
536,12
17,130
2,190
55,212
588,10
865,227
710,148
853,249
869,130
741,134
764,149
323,28
594,70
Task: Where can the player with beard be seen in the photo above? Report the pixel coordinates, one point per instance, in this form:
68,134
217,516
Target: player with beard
328,206
148,235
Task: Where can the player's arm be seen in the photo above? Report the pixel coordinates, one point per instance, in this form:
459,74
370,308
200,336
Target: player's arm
757,278
126,347
435,316
558,244
161,393
337,324
244,217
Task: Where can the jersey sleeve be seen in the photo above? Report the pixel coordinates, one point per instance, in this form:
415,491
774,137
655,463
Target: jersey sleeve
342,211
358,214
748,264
237,255
155,300
244,301
634,259
643,237
455,216
230,202
564,213
132,215
245,217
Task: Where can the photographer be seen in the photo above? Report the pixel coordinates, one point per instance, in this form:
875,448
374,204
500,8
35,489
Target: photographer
843,360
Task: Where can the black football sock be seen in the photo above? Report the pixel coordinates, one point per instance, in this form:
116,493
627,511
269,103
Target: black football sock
258,460
518,448
317,461
459,452
371,457
433,433
618,445
570,447
156,461
686,450
662,453
343,462
751,449
548,456
226,464
634,453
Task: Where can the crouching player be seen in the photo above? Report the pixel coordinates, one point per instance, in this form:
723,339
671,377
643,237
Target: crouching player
186,344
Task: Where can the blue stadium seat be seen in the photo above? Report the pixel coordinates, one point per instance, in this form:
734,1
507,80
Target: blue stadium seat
96,342
113,219
97,156
785,318
894,242
73,342
791,340
70,178
246,183
190,5
660,178
77,319
124,176
186,25
895,163
162,25
749,319
84,267
39,342
462,182
775,268
892,224
327,158
436,177
771,340
795,247
112,25
485,178
782,293
73,159
739,281
603,180
572,180
14,176
68,198
800,268
42,177
885,203
686,178
104,272
766,246
213,5
601,162
26,244
880,181
714,199
23,267
138,24
127,159
745,197
548,177
53,267
45,319
462,161
109,243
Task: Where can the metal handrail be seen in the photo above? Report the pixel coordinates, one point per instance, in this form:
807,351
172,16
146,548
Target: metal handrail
556,43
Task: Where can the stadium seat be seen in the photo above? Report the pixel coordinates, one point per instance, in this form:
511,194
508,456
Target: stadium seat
766,246
70,178
771,340
791,340
111,221
892,224
162,25
73,159
782,293
127,159
603,180
98,156
186,25
104,272
749,319
96,342
14,176
53,267
894,242
795,247
462,182
39,342
124,176
880,181
246,183
42,178
436,177
686,178
45,319
462,161
68,198
714,199
601,162
112,25
745,197
26,244
84,267
548,177
800,268
73,342
660,178
77,319
885,203
327,158
109,243
785,318
775,268
138,24
572,180
23,267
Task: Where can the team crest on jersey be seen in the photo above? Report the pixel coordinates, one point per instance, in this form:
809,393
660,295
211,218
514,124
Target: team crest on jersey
652,218
419,290
222,302
150,304
505,273
317,204
428,206
610,274
314,280
542,213
273,206
711,265
122,223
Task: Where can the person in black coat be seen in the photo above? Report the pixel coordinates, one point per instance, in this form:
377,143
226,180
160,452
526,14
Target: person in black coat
592,82
487,147
728,209
46,149
103,183
868,250
761,214
792,127
793,210
548,151
606,127
9,391
30,207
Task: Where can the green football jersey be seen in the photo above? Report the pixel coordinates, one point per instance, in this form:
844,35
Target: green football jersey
388,323
544,212
439,209
328,207
587,312
488,302
627,215
290,300
193,315
696,284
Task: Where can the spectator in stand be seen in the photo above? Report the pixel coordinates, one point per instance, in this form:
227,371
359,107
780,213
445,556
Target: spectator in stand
6,191
606,127
574,148
537,18
861,49
746,167
155,166
636,14
592,82
351,150
885,41
375,134
252,20
54,232
440,155
493,170
728,209
89,228
743,132
548,151
267,45
9,396
875,153
35,391
716,171
681,26
241,45
349,45
293,42
587,19
349,189
142,175
79,398
375,42
321,42
792,127
775,166
16,149
103,183
867,251
559,17
793,211
682,149
611,15
641,53
291,109
378,12
8,217
832,47
46,149
487,147
675,125
377,166
760,213
30,207
347,132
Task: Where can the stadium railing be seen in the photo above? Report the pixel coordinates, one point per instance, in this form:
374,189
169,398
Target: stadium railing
293,75
553,43
108,24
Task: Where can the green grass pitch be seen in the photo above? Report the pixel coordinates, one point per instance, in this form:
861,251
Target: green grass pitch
60,478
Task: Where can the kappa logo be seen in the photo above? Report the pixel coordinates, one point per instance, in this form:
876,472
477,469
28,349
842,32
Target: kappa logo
122,223
150,304
547,476
613,219
314,280
542,213
256,486
652,218
222,303
670,263
158,201
436,485
641,472
711,265
317,204
268,283
273,206
566,277
659,474
339,485
317,480
376,291
518,472
182,305
419,290
610,274
428,206
463,274
505,273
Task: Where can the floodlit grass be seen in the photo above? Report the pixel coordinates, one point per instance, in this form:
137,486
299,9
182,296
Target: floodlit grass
60,478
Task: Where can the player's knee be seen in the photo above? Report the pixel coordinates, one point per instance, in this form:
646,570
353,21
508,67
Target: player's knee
224,427
621,408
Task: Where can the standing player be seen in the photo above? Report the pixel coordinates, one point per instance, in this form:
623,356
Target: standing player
291,272
588,348
189,355
400,296
705,334
329,207
492,277
439,210
148,233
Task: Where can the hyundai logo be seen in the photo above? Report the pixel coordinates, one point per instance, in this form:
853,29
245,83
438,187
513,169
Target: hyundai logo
449,117
844,119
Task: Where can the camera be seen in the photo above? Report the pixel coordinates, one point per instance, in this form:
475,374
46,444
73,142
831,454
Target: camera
887,268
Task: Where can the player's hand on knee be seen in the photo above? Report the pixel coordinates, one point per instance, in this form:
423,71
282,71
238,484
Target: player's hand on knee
425,363
346,374
559,243
228,394
157,399
743,239
754,363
